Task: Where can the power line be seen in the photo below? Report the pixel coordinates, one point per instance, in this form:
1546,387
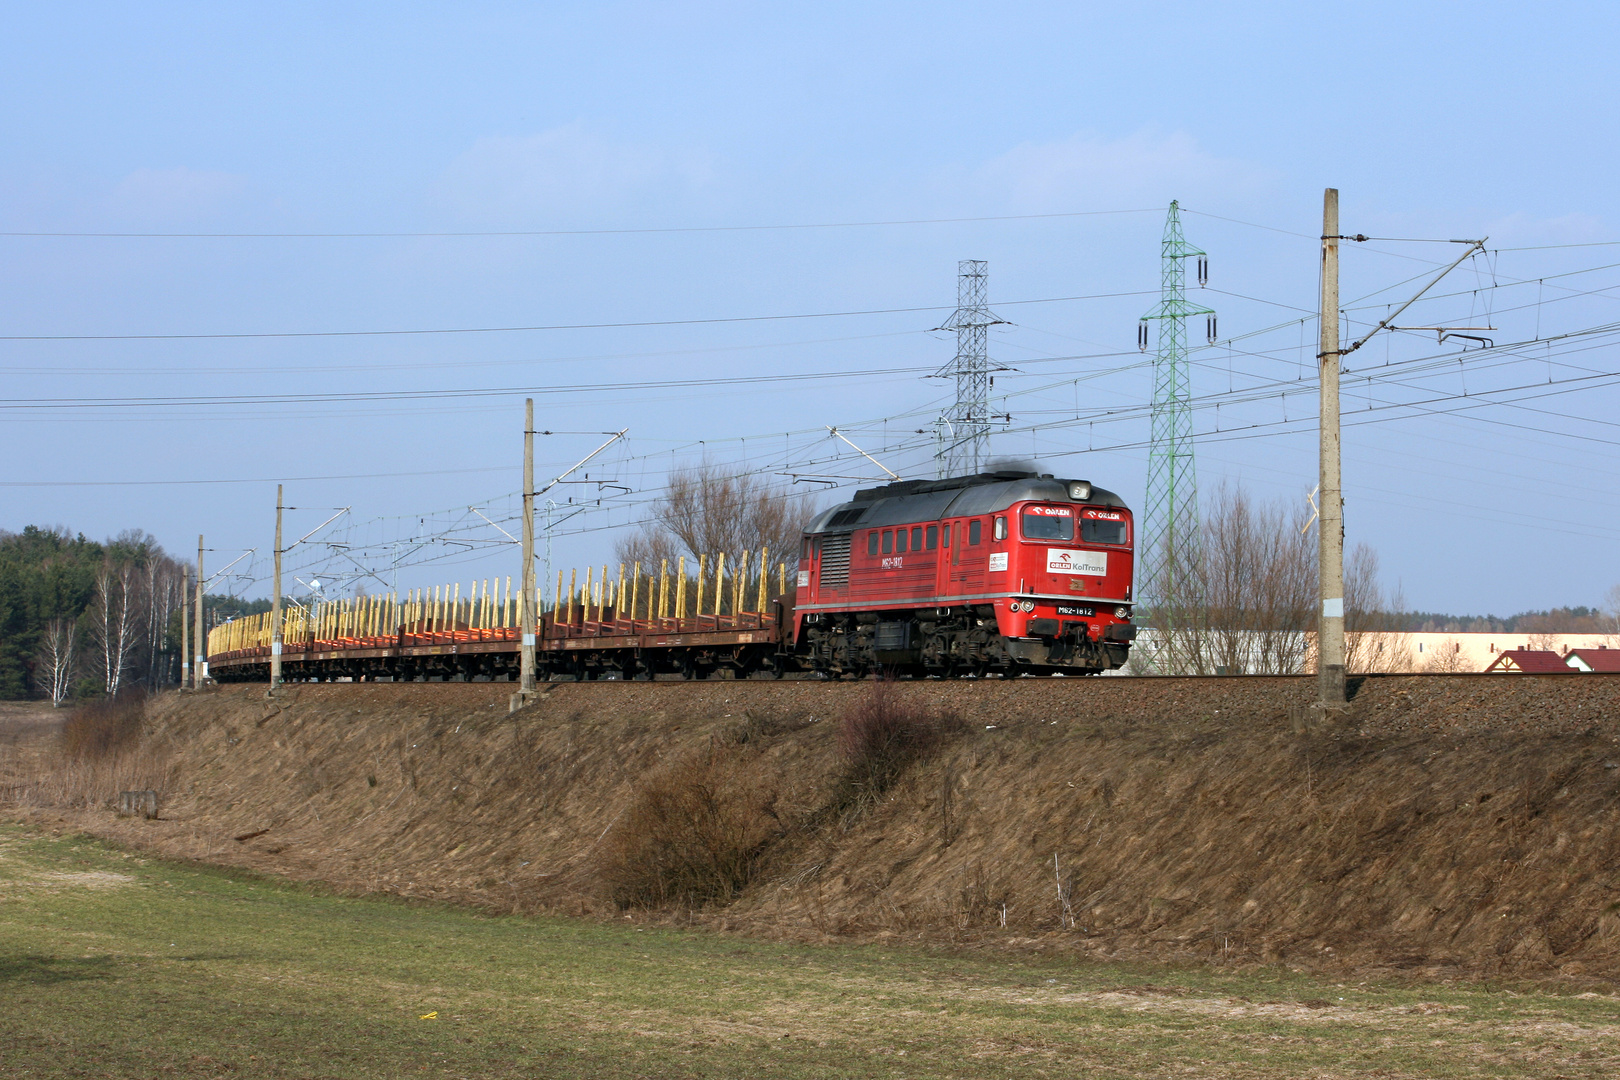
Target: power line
410,395
529,329
561,232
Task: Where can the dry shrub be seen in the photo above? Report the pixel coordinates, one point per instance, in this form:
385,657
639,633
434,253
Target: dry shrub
879,736
698,832
98,753
98,728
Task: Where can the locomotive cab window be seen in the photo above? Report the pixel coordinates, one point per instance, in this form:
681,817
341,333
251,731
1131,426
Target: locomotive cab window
1102,532
933,537
1048,523
975,531
1001,527
945,536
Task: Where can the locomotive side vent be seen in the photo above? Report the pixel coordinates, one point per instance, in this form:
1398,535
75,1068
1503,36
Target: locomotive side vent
835,562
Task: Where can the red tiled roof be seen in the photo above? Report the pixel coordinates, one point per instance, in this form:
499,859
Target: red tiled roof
1597,659
1532,661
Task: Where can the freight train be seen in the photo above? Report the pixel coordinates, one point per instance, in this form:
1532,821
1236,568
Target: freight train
999,573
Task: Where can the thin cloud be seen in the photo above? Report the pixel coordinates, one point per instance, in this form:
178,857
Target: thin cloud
175,195
1145,168
528,178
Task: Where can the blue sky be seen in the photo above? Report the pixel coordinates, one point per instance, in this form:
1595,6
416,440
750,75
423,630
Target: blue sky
1435,120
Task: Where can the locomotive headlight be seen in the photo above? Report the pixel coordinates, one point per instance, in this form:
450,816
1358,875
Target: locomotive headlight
1122,612
1080,490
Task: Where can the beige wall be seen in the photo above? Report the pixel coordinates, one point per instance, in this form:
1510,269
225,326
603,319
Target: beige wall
1475,652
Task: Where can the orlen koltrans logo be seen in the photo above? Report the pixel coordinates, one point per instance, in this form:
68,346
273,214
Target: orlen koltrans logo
1072,561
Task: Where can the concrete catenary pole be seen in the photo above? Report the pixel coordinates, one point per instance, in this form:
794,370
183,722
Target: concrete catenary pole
199,667
526,606
185,630
275,605
1330,532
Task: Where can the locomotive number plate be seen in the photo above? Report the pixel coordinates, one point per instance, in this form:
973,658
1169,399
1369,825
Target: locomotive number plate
1076,609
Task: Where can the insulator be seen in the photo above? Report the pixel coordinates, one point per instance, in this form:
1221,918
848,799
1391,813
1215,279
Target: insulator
1203,269
1141,336
1209,325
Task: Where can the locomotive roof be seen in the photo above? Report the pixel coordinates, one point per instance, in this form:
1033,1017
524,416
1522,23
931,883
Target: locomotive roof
956,496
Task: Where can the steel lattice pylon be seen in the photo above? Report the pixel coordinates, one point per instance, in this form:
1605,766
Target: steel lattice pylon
963,433
1169,552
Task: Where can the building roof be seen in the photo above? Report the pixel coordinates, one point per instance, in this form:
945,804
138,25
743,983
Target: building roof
1593,659
1530,661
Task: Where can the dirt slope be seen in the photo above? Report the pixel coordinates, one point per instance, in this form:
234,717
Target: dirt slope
1449,826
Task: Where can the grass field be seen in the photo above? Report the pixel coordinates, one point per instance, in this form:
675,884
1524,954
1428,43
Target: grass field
112,964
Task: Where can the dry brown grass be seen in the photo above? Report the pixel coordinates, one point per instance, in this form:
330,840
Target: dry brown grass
98,728
83,759
879,735
698,832
1455,826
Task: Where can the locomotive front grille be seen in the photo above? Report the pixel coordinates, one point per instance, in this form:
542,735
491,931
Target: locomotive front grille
834,562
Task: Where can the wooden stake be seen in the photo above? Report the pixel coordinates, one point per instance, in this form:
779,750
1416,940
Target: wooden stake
680,589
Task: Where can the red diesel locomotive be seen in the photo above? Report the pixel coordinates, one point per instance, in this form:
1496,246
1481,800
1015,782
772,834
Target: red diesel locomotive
1003,572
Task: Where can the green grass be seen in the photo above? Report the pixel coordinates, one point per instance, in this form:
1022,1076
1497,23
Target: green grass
115,965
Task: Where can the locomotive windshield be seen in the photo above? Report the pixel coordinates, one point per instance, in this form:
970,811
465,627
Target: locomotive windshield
1048,523
1102,531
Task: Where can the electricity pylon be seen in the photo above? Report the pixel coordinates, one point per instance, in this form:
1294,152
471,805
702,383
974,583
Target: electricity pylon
963,433
1169,552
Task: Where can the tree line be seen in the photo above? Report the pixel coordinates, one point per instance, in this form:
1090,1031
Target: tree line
85,618
1559,620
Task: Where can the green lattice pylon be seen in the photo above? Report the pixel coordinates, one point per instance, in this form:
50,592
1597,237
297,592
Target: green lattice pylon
1169,553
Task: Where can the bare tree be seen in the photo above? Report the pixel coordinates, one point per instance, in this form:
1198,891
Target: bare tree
1175,616
1610,617
162,589
1255,584
650,545
115,620
58,657
1258,582
708,509
1543,640
1447,658
1373,639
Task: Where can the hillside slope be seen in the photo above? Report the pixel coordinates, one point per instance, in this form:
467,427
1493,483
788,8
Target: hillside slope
1449,826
